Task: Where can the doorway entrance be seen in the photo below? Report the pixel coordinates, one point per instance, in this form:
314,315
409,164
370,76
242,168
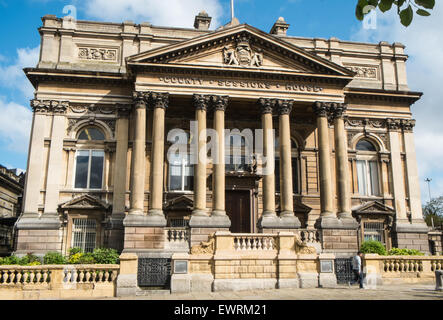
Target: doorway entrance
238,208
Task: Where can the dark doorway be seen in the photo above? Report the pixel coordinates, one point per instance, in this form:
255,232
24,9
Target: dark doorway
238,208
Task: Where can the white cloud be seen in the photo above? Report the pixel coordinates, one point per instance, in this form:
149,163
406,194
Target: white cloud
423,43
15,126
176,13
12,76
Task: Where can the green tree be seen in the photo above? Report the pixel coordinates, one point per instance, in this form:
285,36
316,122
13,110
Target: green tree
433,210
405,8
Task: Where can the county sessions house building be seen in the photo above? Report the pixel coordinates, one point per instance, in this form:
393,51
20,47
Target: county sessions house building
108,95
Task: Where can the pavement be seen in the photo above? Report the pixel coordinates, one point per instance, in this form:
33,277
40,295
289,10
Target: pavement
385,292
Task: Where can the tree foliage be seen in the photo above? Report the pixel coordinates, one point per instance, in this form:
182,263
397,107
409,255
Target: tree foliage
433,210
405,8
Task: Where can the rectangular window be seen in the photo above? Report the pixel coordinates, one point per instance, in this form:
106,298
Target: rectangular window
89,169
374,231
367,177
181,173
84,234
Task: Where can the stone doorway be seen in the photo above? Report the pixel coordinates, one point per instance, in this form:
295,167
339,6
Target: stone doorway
238,208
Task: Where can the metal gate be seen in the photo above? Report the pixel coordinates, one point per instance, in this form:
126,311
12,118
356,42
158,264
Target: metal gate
343,270
154,272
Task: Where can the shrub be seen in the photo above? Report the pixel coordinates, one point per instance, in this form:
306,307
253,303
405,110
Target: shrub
86,258
54,258
74,251
10,261
29,259
75,258
371,246
106,256
404,252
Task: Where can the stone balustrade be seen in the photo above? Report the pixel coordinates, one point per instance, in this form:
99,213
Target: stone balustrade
58,281
309,236
402,269
251,242
177,238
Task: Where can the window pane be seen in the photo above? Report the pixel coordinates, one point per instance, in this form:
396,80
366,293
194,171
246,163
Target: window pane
295,175
374,178
96,178
81,170
91,134
361,177
365,145
175,175
277,175
84,233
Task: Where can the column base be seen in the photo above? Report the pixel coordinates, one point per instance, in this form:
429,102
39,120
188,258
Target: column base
34,221
209,221
275,222
347,220
151,220
330,221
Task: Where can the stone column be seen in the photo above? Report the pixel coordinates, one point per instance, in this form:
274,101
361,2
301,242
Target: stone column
200,214
328,219
398,177
412,173
136,211
33,183
55,162
219,216
342,168
120,173
284,108
269,218
156,218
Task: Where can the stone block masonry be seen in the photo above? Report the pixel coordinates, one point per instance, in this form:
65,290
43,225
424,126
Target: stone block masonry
137,238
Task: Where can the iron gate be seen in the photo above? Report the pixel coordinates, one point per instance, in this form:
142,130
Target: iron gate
154,272
343,270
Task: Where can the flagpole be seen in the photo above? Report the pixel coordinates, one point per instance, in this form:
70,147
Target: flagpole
232,10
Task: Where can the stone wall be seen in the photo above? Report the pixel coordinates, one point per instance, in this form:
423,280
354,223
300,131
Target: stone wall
144,238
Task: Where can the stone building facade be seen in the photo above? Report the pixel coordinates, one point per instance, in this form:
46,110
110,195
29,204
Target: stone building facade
108,95
11,193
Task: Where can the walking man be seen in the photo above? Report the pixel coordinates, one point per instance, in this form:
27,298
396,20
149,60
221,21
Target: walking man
357,269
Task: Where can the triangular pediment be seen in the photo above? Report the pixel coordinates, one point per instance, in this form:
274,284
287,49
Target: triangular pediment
373,207
240,47
85,202
181,203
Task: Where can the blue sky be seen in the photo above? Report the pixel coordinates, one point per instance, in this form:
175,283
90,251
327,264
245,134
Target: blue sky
308,18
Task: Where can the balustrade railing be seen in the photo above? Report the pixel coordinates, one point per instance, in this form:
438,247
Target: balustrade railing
177,237
86,274
13,275
309,236
402,265
251,242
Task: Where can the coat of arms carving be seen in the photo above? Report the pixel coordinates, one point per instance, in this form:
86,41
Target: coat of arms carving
242,54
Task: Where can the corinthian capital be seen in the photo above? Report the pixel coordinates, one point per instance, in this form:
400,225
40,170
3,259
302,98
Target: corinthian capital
40,106
140,99
393,124
220,102
160,100
284,106
408,125
322,109
338,110
201,102
59,107
266,105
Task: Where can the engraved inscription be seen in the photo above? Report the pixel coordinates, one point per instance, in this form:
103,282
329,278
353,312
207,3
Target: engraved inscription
100,54
294,87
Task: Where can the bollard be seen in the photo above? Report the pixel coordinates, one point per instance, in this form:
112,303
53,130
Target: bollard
439,280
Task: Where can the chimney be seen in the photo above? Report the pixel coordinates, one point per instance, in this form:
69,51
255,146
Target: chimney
202,21
280,27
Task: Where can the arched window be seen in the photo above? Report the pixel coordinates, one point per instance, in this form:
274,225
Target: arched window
367,169
295,162
91,134
89,159
181,171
